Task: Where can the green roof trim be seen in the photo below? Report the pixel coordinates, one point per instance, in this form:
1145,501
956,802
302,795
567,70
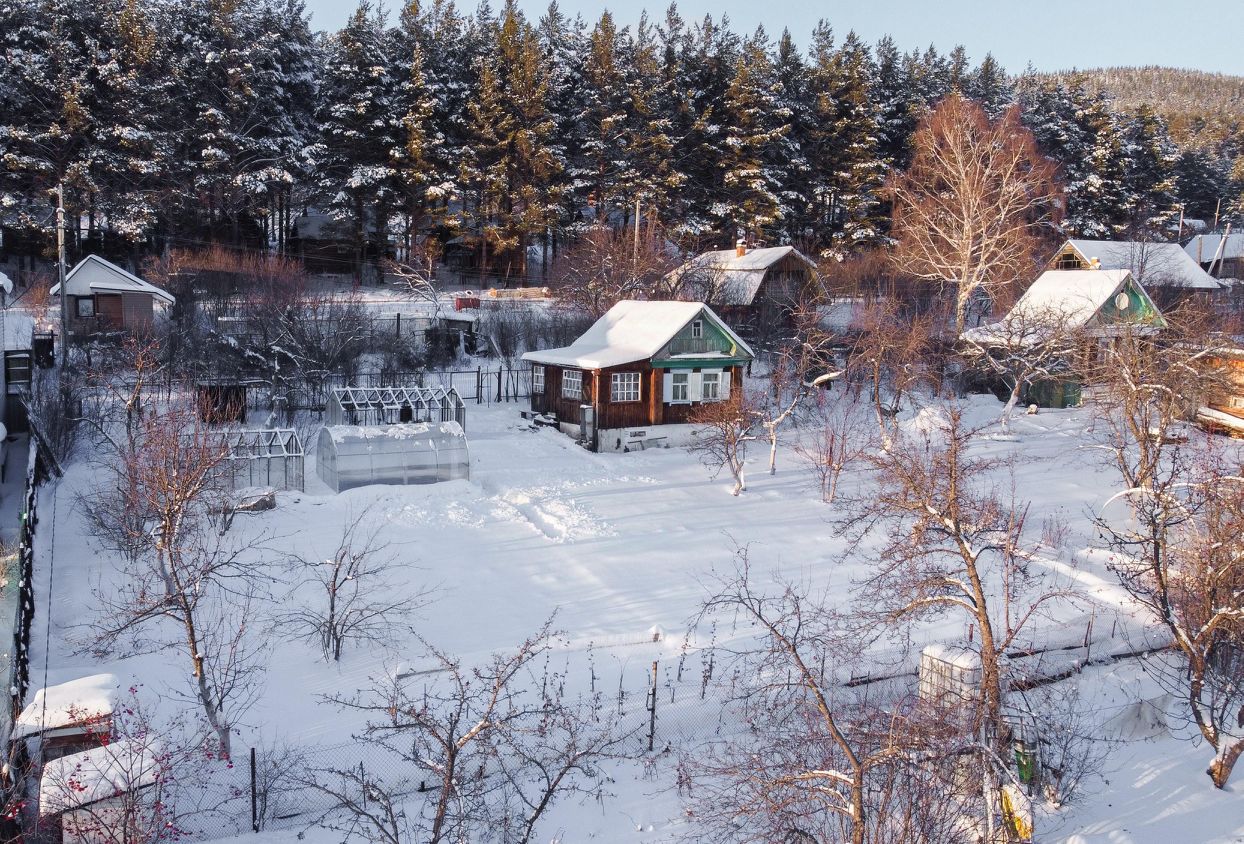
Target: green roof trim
699,363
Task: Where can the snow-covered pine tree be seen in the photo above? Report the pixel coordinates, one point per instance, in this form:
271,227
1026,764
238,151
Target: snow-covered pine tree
422,174
855,217
653,175
605,121
749,203
1151,177
898,111
705,69
359,129
564,43
797,187
509,171
990,86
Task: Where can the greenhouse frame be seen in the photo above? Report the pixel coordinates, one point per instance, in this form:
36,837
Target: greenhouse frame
394,406
272,457
350,456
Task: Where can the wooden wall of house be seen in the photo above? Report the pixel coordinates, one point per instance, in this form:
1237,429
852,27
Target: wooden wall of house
137,311
681,414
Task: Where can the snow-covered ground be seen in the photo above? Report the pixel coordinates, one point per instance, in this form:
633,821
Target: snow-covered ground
619,546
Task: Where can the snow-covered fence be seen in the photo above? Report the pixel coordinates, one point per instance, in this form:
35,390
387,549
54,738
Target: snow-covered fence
19,669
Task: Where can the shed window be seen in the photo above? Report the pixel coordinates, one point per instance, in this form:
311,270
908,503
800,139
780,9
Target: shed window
86,307
572,384
624,386
537,380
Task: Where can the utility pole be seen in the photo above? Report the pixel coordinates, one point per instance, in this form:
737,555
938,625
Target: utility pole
635,248
60,265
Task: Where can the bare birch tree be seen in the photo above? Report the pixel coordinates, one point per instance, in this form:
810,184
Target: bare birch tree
889,353
970,210
723,430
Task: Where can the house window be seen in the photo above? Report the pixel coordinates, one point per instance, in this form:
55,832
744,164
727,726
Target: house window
624,386
697,329
1236,403
1069,261
710,386
680,389
572,384
537,380
86,307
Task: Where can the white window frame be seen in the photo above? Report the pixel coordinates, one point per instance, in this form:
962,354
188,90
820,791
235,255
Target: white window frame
89,301
713,378
697,329
537,379
625,387
685,385
572,377
1236,402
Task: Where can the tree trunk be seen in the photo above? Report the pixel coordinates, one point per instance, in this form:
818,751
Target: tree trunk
1220,769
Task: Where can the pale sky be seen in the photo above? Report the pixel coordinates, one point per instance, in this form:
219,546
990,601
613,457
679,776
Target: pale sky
1052,34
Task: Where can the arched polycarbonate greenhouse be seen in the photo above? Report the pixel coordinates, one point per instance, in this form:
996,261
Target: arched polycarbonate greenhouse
349,456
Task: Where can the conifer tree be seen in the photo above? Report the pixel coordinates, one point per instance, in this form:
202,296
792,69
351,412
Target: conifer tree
359,130
749,204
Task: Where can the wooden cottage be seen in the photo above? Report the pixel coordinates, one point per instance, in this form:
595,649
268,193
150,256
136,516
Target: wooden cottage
1098,304
636,376
1224,408
1221,254
105,298
753,289
1167,272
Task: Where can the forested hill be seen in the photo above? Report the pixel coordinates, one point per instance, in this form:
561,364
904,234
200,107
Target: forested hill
1200,108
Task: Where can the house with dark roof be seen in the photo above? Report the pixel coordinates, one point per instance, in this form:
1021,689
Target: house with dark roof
636,377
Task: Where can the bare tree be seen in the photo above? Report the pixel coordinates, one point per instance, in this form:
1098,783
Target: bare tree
820,762
972,206
352,599
952,543
605,266
835,438
805,363
1022,348
723,430
166,502
890,351
1179,552
495,751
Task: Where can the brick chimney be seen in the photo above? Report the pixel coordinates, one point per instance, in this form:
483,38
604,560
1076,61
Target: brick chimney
740,248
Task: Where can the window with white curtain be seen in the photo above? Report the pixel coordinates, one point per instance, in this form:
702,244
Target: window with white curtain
537,380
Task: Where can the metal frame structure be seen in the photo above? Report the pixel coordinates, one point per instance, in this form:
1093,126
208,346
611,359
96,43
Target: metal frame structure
394,406
263,450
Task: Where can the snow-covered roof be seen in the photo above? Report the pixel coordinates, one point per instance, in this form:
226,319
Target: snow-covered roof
736,278
81,779
95,275
630,331
1153,264
1204,247
430,431
1072,297
68,704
